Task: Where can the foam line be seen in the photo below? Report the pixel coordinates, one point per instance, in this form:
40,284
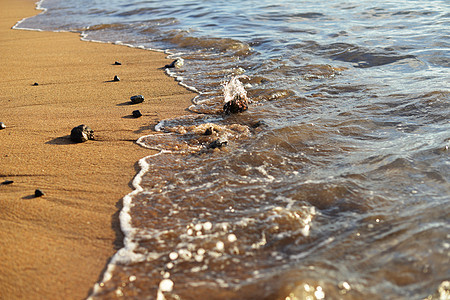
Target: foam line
126,254
38,7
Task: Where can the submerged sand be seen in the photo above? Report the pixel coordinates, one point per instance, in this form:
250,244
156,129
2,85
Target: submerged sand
57,246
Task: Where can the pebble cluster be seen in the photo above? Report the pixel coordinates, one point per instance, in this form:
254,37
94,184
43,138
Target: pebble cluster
83,133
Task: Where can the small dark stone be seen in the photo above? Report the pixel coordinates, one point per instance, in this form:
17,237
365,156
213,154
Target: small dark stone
2,125
137,113
38,193
177,63
257,124
137,99
35,84
209,131
237,105
217,144
116,78
118,63
7,182
81,134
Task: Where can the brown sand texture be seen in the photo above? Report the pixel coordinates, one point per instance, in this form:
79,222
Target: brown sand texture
58,245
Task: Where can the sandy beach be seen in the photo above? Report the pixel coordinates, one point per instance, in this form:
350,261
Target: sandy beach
57,246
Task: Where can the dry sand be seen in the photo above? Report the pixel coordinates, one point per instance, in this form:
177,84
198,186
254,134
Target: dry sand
57,246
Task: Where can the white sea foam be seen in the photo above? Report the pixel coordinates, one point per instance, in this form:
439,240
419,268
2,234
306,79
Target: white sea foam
38,7
234,88
126,254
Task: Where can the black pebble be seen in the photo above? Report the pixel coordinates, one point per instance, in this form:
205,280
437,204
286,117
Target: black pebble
117,63
38,193
257,124
35,84
137,99
7,182
137,113
208,131
116,78
217,144
177,63
81,134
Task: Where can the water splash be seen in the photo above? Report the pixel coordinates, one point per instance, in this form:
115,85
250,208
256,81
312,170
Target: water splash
234,88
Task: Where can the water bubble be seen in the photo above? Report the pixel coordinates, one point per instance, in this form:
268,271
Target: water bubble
207,226
196,269
166,285
198,227
119,293
173,256
344,286
319,293
291,297
232,238
198,258
132,278
185,254
220,246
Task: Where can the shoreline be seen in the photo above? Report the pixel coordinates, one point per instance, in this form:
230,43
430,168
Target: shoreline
59,245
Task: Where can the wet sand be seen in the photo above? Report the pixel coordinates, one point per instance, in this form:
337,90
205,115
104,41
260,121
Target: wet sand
57,246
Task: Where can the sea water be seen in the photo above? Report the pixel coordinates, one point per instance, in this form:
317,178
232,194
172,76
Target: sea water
333,185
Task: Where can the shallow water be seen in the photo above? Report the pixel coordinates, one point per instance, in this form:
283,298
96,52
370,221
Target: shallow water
333,185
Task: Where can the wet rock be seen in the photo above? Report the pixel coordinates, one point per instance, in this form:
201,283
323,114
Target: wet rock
38,193
35,84
137,114
217,144
116,78
257,124
2,125
118,63
81,134
177,63
209,131
7,182
137,99
237,105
